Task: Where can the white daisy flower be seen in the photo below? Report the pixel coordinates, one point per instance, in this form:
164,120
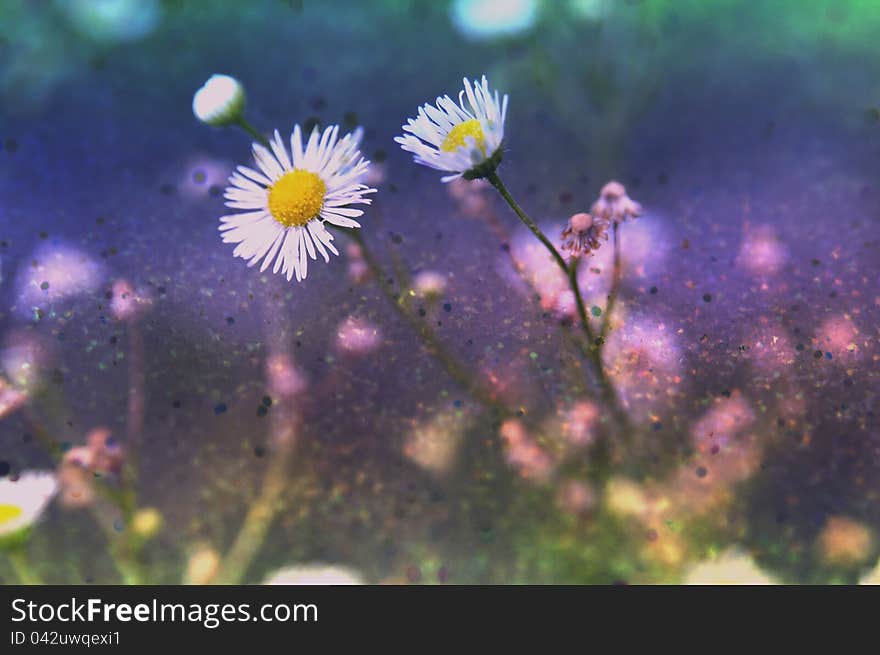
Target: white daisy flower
292,197
220,101
22,501
464,138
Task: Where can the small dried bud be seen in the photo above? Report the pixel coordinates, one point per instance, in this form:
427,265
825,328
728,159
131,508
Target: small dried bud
584,234
614,205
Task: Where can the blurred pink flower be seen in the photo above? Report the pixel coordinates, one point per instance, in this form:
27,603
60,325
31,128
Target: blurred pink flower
613,205
127,303
579,423
722,423
523,453
100,456
471,197
284,378
770,348
358,270
839,336
11,398
358,336
538,269
761,252
643,360
106,452
75,480
576,497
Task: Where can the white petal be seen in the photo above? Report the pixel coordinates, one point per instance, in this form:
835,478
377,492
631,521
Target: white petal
339,220
273,251
325,237
307,239
282,252
254,175
317,241
296,146
267,162
303,259
280,151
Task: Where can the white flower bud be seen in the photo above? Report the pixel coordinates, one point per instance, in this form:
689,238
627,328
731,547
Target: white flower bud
220,101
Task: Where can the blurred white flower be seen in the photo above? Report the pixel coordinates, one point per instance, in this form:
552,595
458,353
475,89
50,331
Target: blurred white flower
730,568
112,20
485,19
56,272
590,9
315,574
433,443
872,577
23,500
203,564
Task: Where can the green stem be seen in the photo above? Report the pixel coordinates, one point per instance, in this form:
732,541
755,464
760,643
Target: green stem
257,522
134,421
120,547
581,306
504,238
250,129
22,568
264,509
499,186
453,367
616,276
593,350
570,271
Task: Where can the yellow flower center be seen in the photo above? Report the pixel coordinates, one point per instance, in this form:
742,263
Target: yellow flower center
296,198
458,134
9,512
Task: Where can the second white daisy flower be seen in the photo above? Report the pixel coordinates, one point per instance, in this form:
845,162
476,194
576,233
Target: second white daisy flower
292,197
22,501
463,139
